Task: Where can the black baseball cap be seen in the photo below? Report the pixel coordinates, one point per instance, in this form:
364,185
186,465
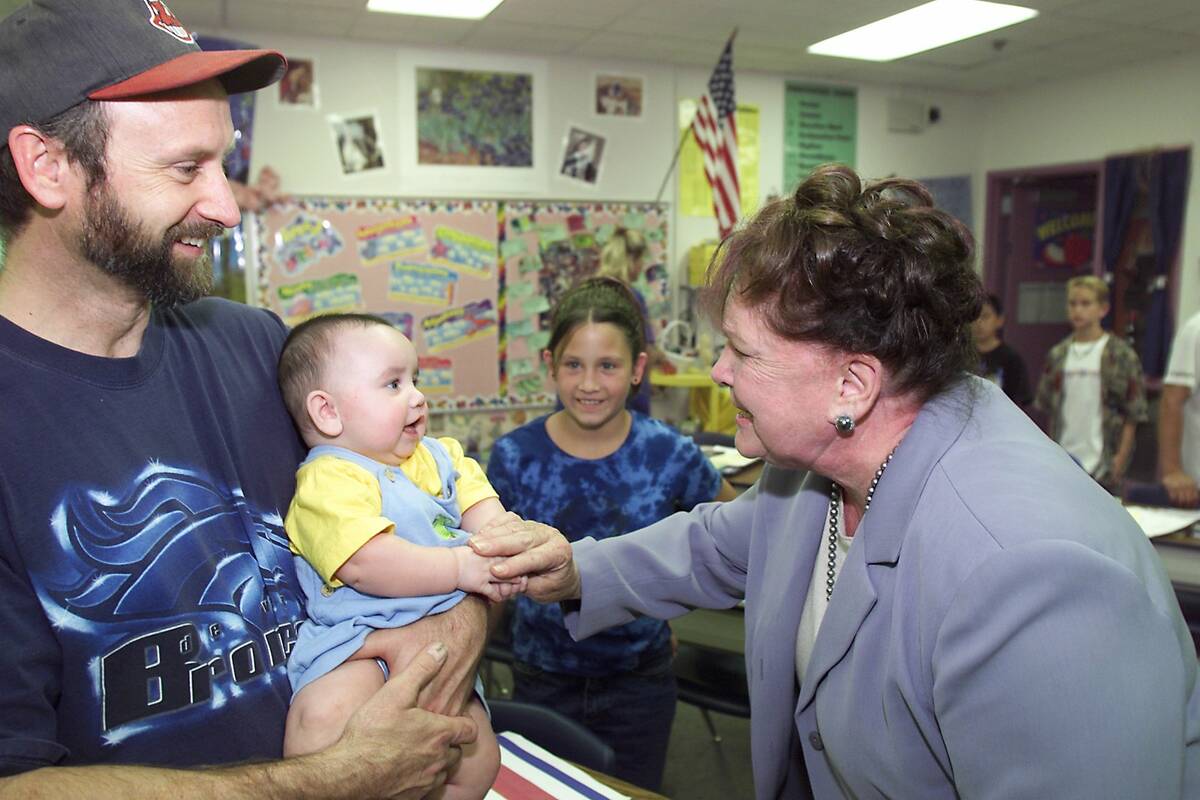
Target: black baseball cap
56,53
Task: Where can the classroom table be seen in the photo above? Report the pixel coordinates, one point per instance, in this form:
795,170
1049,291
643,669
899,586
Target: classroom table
1180,554
636,792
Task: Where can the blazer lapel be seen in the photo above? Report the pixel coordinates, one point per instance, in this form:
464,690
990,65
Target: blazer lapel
879,538
853,598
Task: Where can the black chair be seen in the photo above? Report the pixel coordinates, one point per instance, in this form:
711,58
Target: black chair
559,734
712,680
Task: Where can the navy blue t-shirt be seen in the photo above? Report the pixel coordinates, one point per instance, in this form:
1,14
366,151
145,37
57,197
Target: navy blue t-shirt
147,596
656,472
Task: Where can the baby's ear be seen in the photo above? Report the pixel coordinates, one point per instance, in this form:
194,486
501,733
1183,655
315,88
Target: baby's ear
323,413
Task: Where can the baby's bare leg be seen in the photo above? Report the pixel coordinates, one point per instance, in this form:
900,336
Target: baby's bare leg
319,712
480,762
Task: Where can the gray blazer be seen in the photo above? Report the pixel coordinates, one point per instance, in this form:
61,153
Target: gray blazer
1001,628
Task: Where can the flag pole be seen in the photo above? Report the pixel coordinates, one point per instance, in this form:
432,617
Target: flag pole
682,139
674,160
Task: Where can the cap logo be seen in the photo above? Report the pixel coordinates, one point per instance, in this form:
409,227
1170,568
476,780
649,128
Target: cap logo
162,18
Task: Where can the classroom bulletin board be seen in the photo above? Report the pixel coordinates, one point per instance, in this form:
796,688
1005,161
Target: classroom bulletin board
470,282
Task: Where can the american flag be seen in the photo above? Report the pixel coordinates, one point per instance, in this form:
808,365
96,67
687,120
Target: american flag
716,134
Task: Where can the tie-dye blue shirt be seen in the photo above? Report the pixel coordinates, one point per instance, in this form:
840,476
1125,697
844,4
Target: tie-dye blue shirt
656,472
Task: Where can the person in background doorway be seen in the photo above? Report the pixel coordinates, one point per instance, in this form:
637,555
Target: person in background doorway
1092,389
147,596
998,362
1179,418
598,469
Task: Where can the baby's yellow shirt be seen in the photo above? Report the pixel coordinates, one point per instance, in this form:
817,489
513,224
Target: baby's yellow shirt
338,507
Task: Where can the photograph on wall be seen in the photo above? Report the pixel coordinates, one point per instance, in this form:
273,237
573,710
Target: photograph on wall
619,95
298,86
583,153
480,119
358,142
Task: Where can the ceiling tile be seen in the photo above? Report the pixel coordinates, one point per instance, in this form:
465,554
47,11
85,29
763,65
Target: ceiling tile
591,13
291,18
518,36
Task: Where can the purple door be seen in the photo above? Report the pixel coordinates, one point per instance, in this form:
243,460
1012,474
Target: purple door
1042,230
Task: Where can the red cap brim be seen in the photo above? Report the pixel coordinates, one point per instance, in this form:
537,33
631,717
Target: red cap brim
238,71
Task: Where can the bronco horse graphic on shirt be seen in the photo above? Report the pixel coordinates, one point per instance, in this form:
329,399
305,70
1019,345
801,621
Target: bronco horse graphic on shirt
178,595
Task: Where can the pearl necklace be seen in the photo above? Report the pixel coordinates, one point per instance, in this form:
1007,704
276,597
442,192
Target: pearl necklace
835,498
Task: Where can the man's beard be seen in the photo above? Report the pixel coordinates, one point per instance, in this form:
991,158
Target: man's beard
115,243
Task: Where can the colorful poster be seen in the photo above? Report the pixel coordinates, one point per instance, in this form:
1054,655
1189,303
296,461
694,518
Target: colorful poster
395,239
437,375
458,326
299,301
619,95
1063,238
820,126
480,119
358,141
303,242
422,283
463,251
695,195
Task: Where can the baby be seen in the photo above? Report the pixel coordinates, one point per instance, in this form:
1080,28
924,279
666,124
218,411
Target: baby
378,524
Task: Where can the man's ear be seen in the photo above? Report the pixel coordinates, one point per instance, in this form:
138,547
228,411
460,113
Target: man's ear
42,165
323,413
860,382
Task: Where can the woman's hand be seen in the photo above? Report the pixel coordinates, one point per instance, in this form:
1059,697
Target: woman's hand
534,550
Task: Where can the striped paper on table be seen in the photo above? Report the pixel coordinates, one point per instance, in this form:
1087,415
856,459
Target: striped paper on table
527,772
715,129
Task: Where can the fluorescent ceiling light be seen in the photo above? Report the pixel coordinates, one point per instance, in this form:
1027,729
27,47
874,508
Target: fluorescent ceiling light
922,28
459,9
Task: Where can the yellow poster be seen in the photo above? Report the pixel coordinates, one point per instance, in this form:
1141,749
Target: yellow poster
695,195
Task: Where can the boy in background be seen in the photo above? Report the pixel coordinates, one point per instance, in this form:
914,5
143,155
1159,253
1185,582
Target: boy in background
998,362
1092,388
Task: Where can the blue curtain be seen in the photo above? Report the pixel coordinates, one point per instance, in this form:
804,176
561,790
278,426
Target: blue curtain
1120,194
1165,179
1167,196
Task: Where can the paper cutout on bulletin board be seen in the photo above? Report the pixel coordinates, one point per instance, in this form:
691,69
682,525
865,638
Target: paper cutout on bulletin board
463,251
341,292
421,283
397,238
304,241
437,375
459,326
695,195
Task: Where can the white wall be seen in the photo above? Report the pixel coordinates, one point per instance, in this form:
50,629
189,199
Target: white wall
356,76
1086,119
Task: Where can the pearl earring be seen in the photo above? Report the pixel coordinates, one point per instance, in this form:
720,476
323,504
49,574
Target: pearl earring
844,424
